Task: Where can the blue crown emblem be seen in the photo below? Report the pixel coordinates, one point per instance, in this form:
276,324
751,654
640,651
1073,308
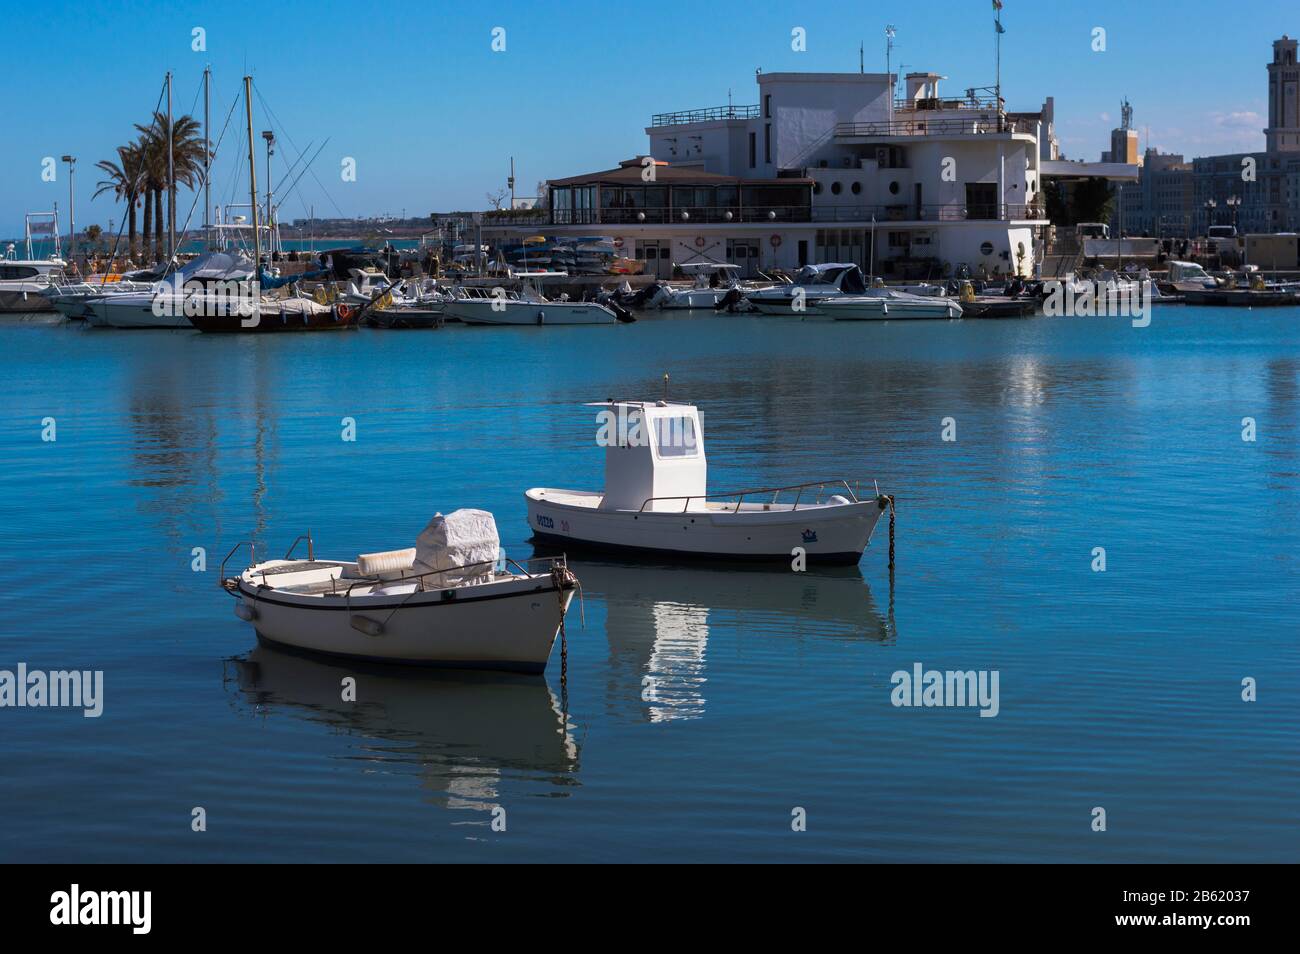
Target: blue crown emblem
810,536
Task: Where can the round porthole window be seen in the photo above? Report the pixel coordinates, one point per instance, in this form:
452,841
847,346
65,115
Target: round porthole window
835,188
856,187
986,248
893,188
817,188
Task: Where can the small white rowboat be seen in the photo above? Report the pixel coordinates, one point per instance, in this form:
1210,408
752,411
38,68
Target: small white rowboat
400,607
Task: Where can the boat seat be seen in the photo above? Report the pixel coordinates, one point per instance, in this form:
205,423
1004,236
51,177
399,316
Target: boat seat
387,565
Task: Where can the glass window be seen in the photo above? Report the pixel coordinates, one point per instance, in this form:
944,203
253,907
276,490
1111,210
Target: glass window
675,436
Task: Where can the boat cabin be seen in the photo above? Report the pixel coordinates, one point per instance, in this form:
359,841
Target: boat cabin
711,274
654,455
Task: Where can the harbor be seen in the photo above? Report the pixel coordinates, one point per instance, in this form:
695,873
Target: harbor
861,468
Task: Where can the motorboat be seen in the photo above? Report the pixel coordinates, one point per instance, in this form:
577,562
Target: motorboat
451,600
71,299
23,283
656,500
213,283
1255,294
1183,277
883,303
812,285
712,281
530,307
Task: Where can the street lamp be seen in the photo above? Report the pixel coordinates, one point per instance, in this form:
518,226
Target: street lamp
269,136
72,208
1233,202
1210,206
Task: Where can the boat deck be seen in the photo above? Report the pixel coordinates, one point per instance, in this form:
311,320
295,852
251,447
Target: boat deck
590,500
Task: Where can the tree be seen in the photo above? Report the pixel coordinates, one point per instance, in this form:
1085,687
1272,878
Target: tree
1091,200
187,149
543,195
1058,210
125,180
496,198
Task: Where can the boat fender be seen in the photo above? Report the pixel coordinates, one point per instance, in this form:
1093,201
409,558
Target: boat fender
245,612
541,317
364,624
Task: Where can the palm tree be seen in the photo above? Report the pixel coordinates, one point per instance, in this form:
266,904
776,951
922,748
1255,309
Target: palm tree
187,147
126,181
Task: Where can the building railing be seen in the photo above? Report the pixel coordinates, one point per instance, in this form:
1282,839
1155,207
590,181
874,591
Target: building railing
883,214
973,126
710,114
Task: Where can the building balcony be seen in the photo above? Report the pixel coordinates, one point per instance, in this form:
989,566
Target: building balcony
980,125
732,215
708,115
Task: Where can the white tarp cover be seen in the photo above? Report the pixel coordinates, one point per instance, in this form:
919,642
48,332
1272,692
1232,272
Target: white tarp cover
461,538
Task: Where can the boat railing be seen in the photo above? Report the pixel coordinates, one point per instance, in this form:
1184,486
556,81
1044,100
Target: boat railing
776,492
311,554
252,559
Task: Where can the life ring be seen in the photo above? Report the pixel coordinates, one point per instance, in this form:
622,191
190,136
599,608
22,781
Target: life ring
345,311
699,241
775,240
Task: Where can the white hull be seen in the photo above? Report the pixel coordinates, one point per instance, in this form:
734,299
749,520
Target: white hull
508,625
131,311
480,311
884,309
827,533
24,297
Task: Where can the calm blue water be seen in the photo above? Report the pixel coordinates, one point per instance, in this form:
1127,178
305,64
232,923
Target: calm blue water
1118,689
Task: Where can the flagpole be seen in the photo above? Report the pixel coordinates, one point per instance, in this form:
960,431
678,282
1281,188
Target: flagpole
997,55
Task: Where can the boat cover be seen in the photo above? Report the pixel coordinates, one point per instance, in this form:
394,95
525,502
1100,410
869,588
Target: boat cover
462,538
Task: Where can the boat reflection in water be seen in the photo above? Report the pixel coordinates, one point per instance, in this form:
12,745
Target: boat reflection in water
465,733
659,620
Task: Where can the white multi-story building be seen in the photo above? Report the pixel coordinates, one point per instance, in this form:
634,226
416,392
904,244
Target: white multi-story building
823,164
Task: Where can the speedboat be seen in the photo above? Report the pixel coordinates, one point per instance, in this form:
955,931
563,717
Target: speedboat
813,284
656,500
531,307
213,283
882,303
451,600
71,300
712,282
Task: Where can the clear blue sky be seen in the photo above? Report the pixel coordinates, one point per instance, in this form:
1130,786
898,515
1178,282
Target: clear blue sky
431,115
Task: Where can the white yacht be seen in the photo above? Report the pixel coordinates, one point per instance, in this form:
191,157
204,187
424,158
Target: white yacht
812,285
23,283
530,307
656,500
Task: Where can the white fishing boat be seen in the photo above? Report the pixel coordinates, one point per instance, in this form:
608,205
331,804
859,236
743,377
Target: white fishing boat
448,601
656,500
812,285
881,304
530,307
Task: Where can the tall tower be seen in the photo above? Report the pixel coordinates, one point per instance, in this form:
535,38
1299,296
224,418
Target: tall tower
1283,132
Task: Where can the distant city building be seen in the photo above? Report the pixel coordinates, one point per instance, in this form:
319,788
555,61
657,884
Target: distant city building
1283,132
1255,191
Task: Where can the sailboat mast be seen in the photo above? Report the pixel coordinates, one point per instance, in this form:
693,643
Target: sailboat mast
171,178
252,182
207,158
